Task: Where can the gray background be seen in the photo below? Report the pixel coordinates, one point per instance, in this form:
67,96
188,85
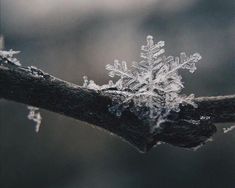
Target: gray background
73,38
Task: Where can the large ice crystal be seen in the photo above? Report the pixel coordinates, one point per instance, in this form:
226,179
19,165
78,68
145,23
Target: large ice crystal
150,88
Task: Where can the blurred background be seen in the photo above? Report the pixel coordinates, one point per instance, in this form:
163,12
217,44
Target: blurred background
73,38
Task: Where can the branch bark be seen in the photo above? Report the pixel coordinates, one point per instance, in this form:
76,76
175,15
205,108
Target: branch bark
188,128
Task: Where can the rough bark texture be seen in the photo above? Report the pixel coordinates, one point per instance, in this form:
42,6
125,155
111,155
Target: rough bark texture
189,128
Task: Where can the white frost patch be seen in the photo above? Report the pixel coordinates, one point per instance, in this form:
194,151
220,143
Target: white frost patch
153,84
8,57
35,115
226,130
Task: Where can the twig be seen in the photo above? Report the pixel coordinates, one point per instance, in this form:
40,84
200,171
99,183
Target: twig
189,128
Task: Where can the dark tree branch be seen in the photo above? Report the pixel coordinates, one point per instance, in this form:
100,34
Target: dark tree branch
189,128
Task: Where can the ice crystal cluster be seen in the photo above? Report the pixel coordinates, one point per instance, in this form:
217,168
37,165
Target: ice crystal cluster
7,57
150,88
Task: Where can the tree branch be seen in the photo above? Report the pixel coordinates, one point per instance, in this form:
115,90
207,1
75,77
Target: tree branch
189,128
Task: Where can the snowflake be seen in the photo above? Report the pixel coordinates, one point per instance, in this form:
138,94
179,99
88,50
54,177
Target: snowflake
150,88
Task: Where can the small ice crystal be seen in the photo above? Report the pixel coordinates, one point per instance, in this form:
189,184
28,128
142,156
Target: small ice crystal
226,130
7,56
35,115
34,71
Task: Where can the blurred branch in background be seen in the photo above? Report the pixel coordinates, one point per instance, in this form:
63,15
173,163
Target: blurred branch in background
190,128
1,42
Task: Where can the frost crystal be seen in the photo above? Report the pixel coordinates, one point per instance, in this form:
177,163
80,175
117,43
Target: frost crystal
35,115
150,88
8,57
